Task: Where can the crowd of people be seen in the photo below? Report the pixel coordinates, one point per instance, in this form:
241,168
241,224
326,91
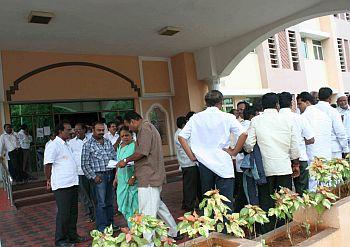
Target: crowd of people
273,144
247,155
104,167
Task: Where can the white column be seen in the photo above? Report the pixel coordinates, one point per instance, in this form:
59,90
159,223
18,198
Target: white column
213,83
2,113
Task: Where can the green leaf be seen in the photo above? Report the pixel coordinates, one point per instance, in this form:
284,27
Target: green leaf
220,227
120,238
203,233
326,203
157,242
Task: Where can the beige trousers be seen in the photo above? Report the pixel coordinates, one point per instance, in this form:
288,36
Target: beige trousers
151,204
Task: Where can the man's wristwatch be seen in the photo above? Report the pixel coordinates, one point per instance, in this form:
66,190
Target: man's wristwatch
133,177
124,160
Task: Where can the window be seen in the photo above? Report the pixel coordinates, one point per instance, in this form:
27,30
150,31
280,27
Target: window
273,52
341,55
304,48
159,119
317,46
347,16
228,105
293,50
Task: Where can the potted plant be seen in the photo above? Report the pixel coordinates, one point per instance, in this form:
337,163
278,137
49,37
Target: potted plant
252,214
215,218
133,237
286,203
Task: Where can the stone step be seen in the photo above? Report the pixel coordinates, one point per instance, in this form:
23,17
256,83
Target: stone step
173,173
172,167
28,201
170,162
35,192
18,194
29,185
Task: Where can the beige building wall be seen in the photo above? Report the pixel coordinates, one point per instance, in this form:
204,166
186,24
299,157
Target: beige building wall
244,79
168,84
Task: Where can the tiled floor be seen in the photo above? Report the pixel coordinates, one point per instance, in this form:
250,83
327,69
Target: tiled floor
35,225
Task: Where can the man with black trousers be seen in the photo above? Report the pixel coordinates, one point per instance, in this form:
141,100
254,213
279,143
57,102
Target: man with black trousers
278,142
62,177
9,144
305,137
190,173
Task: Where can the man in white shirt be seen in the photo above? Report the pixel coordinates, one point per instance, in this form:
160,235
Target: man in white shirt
85,185
278,142
112,134
305,137
62,177
340,146
209,133
24,140
344,110
10,146
321,124
241,106
190,173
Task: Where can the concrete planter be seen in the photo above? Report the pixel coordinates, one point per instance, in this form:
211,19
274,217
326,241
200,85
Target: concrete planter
324,238
335,223
221,240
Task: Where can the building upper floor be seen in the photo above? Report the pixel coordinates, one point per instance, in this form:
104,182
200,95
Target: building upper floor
303,57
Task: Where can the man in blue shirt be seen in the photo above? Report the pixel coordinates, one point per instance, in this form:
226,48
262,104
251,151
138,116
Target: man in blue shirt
96,154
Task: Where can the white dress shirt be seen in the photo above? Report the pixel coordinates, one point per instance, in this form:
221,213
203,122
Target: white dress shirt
208,133
322,127
181,155
303,129
345,114
76,145
339,137
277,139
64,172
24,140
240,156
112,138
8,143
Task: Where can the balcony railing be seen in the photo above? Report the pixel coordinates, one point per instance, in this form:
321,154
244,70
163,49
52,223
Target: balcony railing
7,181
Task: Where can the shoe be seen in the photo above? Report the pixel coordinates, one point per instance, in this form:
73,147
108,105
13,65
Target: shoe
116,228
178,237
78,239
64,245
91,220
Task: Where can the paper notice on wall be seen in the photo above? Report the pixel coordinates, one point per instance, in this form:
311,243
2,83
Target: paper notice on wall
39,132
47,130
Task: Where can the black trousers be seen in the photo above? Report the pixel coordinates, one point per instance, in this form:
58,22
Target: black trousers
67,214
16,164
86,195
191,187
210,181
238,194
301,183
266,202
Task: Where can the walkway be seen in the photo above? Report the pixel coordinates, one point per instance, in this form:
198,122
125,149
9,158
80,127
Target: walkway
35,225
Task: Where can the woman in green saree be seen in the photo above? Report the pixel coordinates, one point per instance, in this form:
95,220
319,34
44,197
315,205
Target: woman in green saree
125,180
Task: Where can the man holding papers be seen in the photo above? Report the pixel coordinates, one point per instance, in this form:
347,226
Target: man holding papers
97,153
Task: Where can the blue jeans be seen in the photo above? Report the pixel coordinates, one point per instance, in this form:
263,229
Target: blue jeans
104,200
210,181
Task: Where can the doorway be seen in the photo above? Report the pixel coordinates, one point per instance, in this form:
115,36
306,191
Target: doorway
42,118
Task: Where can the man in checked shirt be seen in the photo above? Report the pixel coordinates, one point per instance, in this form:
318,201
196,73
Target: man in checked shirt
96,154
